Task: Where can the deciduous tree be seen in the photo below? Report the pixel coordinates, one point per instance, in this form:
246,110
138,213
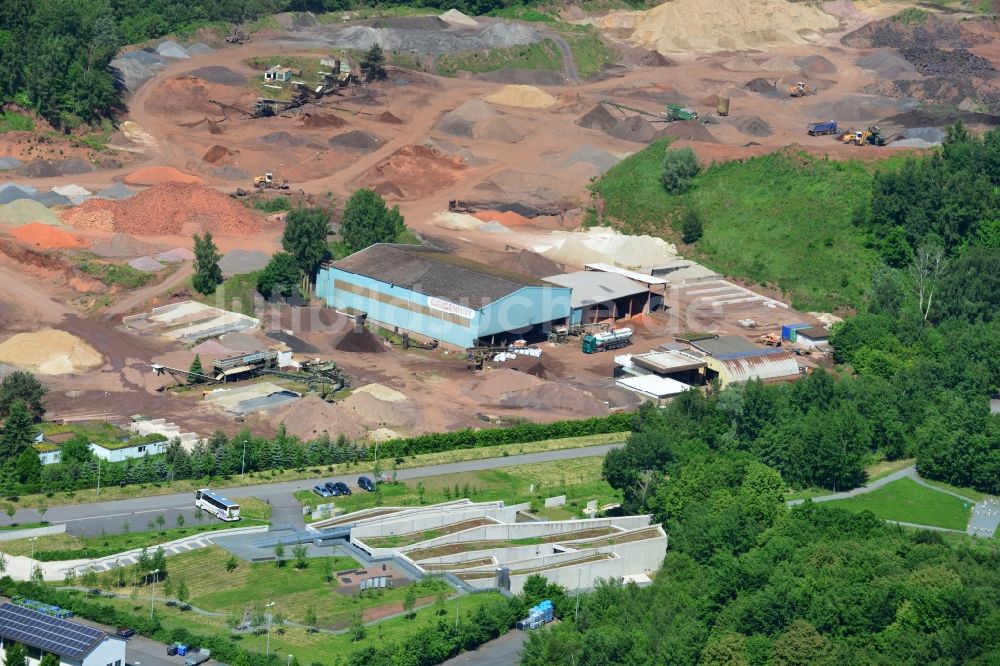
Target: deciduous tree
207,274
367,220
304,238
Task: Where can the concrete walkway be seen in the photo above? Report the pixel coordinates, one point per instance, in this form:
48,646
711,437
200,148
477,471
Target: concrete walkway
983,521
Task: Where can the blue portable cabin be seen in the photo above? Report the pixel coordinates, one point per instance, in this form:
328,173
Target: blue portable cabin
788,331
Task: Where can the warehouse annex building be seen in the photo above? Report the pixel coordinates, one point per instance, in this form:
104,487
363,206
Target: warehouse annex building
603,296
75,644
442,296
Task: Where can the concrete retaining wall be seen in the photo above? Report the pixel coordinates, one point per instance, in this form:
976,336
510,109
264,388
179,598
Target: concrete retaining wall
30,533
571,576
423,522
531,530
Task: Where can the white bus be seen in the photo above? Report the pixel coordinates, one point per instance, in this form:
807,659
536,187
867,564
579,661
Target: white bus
217,505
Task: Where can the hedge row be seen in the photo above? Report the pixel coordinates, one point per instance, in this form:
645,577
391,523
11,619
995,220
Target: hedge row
519,434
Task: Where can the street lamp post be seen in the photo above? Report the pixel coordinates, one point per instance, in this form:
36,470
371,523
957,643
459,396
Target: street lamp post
267,650
152,596
289,660
33,540
243,467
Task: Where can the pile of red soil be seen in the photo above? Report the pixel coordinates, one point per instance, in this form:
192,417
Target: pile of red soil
217,154
47,237
361,340
172,208
159,175
387,117
416,171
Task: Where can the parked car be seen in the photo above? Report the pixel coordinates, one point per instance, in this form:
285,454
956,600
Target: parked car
332,488
126,632
366,484
342,487
172,651
321,491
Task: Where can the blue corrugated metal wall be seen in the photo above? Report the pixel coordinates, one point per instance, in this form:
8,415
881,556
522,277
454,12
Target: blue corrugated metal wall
525,308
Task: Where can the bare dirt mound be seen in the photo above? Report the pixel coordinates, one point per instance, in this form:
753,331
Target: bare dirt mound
368,410
728,25
763,86
220,75
689,130
50,266
462,120
752,125
659,93
47,237
499,129
499,383
43,168
172,208
530,263
937,48
600,117
218,154
741,63
416,171
205,123
357,141
527,97
359,341
850,108
779,63
23,211
931,31
816,65
320,121
121,246
190,94
159,175
50,352
312,416
635,128
553,396
388,118
889,66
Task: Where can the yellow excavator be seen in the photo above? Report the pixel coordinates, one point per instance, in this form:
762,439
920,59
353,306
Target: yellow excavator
801,89
872,136
269,182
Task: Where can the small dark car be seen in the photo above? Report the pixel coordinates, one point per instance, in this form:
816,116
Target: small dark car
342,487
366,484
172,651
332,488
126,632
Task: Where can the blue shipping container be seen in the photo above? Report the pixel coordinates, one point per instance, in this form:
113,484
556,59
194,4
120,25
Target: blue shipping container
788,330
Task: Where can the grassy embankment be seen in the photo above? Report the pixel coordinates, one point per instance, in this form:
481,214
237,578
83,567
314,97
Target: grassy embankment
580,480
781,220
421,460
214,587
907,501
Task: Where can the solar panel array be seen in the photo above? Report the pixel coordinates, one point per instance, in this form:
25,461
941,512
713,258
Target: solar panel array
67,639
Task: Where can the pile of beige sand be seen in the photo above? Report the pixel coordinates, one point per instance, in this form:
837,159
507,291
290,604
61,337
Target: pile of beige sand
312,416
728,25
555,397
455,17
604,245
526,97
50,352
376,406
382,392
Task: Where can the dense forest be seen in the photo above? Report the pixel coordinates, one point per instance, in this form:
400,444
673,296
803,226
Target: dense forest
55,54
748,581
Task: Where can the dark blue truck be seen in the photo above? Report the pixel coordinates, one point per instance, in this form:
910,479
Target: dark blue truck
829,127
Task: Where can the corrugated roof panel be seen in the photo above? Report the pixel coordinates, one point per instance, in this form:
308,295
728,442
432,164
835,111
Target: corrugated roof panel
772,366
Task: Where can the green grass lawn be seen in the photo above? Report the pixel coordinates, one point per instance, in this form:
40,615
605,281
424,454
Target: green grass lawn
781,220
21,526
907,501
100,546
542,55
319,647
580,480
238,294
